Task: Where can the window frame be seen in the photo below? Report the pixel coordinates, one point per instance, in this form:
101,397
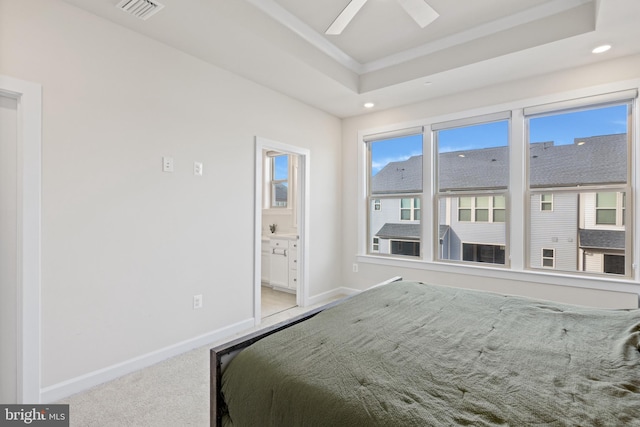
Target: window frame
618,208
491,209
589,103
552,258
546,202
440,195
273,182
412,209
518,198
371,197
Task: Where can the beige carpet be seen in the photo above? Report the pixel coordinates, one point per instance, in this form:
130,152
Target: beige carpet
172,393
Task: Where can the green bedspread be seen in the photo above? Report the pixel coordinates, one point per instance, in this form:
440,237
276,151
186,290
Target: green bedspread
410,354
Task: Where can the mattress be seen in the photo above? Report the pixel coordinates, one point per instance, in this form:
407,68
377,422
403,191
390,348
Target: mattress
413,354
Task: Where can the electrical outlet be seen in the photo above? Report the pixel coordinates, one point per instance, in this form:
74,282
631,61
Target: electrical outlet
197,301
355,268
197,168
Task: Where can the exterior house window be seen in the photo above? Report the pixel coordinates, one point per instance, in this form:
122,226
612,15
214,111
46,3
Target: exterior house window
610,208
400,247
481,209
395,193
472,183
410,209
279,180
613,264
548,258
493,254
578,175
499,209
546,202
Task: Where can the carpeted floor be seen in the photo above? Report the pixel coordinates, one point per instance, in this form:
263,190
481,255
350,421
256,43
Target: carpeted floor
172,393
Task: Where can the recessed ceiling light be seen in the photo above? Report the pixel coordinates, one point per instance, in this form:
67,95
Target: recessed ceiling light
369,105
461,155
603,48
581,143
428,83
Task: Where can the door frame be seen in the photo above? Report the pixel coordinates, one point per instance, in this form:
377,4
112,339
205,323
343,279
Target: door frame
302,204
29,171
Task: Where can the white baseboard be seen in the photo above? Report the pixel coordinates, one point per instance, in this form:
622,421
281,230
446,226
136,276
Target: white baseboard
329,295
67,388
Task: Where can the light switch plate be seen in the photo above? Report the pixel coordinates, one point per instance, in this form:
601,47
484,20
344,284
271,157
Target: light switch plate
197,168
167,164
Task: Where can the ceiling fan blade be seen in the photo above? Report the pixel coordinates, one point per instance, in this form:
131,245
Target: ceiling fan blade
345,17
420,11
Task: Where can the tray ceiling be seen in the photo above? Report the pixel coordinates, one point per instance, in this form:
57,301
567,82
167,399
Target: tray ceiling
383,55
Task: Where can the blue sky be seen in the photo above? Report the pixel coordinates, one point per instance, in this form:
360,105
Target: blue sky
559,128
281,167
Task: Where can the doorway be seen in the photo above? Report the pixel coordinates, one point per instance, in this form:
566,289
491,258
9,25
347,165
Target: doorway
8,250
281,227
20,189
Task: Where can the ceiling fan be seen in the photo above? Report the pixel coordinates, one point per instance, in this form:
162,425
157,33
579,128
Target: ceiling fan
420,11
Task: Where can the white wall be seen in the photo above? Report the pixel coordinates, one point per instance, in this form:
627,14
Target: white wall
124,245
569,82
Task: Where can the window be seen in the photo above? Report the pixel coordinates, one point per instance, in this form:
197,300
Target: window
613,264
578,176
400,247
472,182
546,202
395,193
566,210
410,209
548,258
481,209
606,208
493,254
610,209
279,180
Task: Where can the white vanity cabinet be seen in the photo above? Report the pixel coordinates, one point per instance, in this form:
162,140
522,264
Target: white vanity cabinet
265,272
279,274
293,264
282,259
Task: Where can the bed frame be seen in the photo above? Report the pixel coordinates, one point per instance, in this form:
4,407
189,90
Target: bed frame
221,355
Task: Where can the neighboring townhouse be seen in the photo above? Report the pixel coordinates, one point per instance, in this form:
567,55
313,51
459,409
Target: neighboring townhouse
569,230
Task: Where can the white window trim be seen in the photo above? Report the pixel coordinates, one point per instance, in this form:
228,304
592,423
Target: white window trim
546,202
491,208
517,200
553,258
620,211
412,210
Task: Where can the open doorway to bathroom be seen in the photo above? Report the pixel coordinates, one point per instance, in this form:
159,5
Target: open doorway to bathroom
281,200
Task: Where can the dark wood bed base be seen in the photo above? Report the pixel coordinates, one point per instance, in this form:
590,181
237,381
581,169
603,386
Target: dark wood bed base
221,355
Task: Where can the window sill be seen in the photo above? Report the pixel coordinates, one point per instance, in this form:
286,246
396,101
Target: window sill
505,273
278,211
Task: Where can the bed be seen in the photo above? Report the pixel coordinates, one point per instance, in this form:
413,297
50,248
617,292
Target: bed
415,354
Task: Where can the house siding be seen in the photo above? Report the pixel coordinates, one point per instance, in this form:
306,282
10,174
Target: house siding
556,229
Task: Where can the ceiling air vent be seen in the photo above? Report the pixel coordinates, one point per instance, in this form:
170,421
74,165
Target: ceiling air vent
142,9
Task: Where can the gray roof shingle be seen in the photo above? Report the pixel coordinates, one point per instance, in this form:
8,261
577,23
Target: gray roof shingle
399,231
601,239
600,160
